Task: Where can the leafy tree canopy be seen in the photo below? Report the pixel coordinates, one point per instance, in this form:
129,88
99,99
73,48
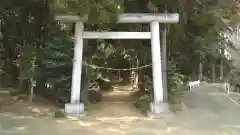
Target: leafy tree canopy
98,11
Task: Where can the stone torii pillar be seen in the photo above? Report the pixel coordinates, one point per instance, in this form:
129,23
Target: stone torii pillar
158,105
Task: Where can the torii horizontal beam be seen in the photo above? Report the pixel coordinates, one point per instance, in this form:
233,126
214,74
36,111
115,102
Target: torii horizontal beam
116,35
128,18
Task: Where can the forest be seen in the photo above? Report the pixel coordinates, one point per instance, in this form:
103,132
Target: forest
37,50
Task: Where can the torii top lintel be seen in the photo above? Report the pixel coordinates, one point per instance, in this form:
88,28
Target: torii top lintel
129,18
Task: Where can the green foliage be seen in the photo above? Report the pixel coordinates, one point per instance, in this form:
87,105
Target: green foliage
175,77
55,64
98,11
143,102
176,83
59,114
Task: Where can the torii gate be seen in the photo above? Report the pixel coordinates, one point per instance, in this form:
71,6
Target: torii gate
158,105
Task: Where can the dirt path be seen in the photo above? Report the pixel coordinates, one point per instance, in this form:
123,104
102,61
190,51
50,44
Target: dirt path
117,103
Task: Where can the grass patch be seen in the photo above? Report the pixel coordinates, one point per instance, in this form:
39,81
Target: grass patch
59,114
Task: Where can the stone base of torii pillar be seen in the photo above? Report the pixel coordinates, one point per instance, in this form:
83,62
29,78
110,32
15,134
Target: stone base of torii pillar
160,110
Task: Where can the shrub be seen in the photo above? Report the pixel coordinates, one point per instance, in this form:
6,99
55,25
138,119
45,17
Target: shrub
59,114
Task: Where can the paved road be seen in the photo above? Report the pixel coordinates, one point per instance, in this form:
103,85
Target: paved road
209,112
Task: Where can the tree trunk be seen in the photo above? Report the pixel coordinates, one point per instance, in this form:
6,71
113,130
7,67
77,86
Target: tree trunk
213,72
200,71
21,67
32,79
136,75
141,81
31,94
221,69
131,73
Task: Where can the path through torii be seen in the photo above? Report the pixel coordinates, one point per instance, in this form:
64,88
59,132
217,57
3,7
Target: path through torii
158,105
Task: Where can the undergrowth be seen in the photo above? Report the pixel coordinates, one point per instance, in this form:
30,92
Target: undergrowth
176,89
